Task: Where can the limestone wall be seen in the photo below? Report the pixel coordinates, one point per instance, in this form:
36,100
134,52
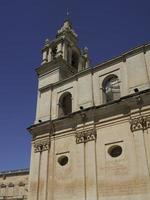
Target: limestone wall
94,169
14,184
86,88
100,151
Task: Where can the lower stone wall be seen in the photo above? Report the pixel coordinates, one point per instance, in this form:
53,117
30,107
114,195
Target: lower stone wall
14,184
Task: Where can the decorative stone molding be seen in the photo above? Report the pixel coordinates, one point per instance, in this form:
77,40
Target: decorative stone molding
85,136
140,123
42,145
148,121
3,185
21,184
10,185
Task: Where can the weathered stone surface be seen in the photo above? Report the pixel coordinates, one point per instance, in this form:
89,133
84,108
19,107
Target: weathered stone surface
14,184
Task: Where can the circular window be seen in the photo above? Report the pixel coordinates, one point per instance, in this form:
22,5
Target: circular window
115,151
63,160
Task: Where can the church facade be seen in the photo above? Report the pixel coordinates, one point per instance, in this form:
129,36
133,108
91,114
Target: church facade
91,134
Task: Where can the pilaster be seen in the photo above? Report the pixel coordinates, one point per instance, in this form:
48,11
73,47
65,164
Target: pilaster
50,175
38,169
34,175
90,163
86,140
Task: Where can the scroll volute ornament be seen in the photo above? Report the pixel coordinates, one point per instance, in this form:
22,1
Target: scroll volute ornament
85,136
42,145
140,123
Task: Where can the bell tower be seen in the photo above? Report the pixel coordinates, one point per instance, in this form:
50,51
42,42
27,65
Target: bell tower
63,52
62,60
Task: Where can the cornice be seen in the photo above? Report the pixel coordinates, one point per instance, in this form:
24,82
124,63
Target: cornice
57,64
122,107
40,128
49,66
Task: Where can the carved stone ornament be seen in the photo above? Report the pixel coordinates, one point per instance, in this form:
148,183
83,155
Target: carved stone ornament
3,185
40,146
21,183
148,121
140,123
85,136
10,185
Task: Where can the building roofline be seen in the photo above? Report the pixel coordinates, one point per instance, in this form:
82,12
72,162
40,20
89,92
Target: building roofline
14,172
124,55
121,57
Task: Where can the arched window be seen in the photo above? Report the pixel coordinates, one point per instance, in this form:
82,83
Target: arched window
111,88
65,104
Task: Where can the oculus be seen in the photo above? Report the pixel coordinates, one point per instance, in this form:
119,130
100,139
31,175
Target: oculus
63,160
115,151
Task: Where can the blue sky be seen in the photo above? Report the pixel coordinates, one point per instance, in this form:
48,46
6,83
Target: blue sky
107,28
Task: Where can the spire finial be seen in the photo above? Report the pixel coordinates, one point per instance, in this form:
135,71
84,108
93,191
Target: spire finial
67,26
67,15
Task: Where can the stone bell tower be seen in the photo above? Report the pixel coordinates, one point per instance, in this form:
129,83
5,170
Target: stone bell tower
64,53
62,59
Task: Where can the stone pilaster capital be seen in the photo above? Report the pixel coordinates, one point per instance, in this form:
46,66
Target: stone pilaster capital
140,123
84,136
41,145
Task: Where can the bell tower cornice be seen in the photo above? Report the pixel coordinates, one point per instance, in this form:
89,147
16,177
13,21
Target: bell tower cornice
57,64
52,43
